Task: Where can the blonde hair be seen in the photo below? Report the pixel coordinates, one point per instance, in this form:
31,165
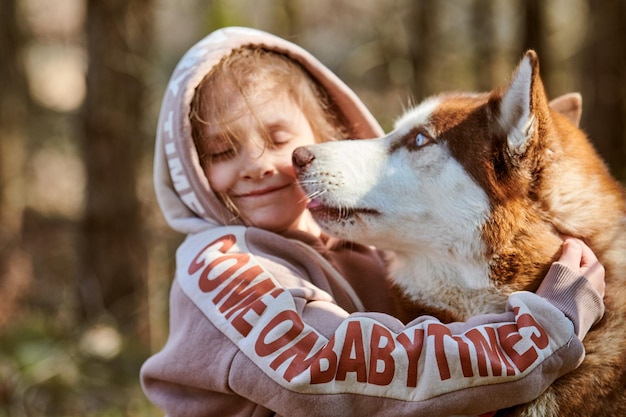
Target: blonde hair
257,75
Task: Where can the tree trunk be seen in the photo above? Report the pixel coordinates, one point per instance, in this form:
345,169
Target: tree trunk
112,275
604,88
421,28
484,44
534,31
14,102
535,36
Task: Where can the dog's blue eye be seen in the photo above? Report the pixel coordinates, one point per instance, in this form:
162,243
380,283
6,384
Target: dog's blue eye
420,140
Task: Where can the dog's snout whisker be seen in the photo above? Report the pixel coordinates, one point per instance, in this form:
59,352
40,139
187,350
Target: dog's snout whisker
317,193
313,194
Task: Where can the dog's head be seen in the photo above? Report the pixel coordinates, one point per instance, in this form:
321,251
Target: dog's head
486,177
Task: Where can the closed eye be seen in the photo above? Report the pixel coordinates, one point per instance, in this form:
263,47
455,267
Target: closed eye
280,134
223,155
221,150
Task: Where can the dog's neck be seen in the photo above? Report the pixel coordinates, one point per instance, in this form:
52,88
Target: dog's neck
457,283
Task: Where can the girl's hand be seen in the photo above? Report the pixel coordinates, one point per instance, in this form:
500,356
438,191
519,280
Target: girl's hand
578,256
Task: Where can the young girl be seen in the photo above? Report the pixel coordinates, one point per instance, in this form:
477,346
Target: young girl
269,316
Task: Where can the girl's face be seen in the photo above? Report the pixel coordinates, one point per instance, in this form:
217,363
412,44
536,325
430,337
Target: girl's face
255,173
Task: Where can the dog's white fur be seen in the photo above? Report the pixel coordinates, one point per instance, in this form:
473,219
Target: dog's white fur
471,192
439,217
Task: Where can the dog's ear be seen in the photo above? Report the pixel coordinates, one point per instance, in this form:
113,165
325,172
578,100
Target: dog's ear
523,102
569,105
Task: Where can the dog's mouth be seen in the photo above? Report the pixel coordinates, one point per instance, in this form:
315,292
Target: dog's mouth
325,213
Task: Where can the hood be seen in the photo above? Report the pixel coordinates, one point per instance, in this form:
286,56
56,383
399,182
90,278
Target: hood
182,190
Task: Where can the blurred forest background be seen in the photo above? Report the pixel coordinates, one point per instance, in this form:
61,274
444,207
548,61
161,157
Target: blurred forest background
85,257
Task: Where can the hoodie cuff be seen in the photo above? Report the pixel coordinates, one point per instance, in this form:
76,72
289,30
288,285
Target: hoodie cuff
571,293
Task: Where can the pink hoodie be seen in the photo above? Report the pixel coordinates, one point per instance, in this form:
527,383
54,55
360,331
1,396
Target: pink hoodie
269,325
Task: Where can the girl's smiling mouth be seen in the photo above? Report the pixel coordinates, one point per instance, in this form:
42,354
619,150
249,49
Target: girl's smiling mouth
263,191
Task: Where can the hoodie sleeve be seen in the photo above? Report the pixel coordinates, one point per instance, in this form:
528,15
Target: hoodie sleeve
244,341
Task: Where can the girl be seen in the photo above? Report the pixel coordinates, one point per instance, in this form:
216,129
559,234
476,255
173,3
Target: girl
269,316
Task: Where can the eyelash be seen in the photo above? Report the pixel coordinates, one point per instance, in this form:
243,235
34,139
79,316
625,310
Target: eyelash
280,137
218,156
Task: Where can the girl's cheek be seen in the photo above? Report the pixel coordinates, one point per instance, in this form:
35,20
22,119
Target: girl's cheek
218,178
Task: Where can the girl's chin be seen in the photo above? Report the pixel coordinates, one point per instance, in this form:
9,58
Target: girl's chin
280,222
276,222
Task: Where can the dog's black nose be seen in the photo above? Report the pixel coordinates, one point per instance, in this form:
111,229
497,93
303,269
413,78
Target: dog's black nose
301,158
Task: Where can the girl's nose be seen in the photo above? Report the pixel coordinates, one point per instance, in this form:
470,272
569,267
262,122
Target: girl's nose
256,161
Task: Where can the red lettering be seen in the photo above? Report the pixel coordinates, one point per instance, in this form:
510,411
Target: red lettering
198,262
319,375
464,356
208,284
488,352
241,324
509,337
263,348
381,354
242,292
439,331
541,340
243,279
348,363
299,351
413,351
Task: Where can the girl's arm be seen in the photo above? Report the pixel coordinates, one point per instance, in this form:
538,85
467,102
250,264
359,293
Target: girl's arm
241,344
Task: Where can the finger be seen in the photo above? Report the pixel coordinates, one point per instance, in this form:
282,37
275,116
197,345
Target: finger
572,253
588,258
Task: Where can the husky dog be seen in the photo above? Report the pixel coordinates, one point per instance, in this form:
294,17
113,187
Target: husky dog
472,192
